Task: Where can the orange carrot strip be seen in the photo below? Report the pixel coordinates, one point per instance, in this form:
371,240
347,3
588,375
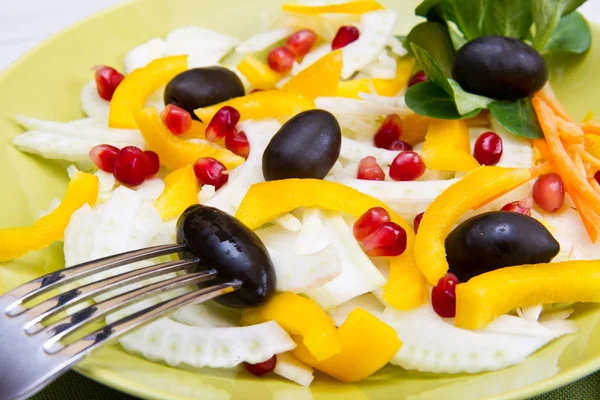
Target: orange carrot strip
565,166
594,162
570,129
590,219
547,94
541,169
542,147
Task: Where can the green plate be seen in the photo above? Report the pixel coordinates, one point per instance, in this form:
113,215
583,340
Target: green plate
46,84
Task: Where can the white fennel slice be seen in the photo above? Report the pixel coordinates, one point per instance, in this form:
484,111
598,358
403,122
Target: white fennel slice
229,197
431,344
289,367
354,150
206,193
377,28
145,53
311,229
367,302
391,101
383,67
207,316
396,46
289,222
204,47
358,107
262,40
405,198
359,275
91,103
516,151
178,344
106,180
150,189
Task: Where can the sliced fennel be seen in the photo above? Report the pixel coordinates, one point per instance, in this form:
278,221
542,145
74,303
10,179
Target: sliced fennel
359,275
516,151
430,344
353,150
176,344
207,316
91,103
367,302
293,369
312,227
145,53
203,46
288,221
262,40
383,67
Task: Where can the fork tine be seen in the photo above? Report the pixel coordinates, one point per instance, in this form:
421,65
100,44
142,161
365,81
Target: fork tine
111,331
60,329
36,314
50,281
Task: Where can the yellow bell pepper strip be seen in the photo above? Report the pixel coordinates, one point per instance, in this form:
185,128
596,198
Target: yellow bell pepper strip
351,7
181,191
442,214
303,319
447,146
406,287
261,105
173,152
487,296
319,79
198,130
16,242
258,74
383,87
132,92
368,344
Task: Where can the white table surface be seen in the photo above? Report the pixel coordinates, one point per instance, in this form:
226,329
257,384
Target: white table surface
25,23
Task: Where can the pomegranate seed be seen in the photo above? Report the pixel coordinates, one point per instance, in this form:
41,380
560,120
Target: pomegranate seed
262,368
222,123
417,78
549,192
488,149
597,176
210,172
104,157
131,166
389,131
417,221
369,222
300,42
152,163
443,296
389,239
344,36
237,143
407,166
178,120
280,59
399,145
369,170
523,206
107,80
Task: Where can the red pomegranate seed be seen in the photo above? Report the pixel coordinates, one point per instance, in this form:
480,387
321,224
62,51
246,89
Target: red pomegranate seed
407,166
549,192
389,131
222,123
280,59
237,143
369,170
369,222
178,120
152,163
210,172
300,42
443,296
522,206
488,149
417,221
417,78
131,166
597,176
107,80
344,36
399,145
262,368
389,240
104,157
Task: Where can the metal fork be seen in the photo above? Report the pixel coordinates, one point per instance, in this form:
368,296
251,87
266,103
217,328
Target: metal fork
32,354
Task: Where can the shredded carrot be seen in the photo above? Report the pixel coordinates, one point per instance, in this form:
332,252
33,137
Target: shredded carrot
542,147
594,183
547,94
580,167
541,169
593,161
568,128
566,167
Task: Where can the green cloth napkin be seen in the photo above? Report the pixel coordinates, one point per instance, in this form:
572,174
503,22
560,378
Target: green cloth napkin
73,386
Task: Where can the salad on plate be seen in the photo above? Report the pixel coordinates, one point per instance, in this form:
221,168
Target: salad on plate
421,200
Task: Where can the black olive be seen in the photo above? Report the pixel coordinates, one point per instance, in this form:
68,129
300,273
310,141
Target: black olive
495,240
203,87
224,244
499,67
306,146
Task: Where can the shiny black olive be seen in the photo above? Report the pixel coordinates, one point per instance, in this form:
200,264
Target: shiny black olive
495,240
306,146
499,67
203,87
224,244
